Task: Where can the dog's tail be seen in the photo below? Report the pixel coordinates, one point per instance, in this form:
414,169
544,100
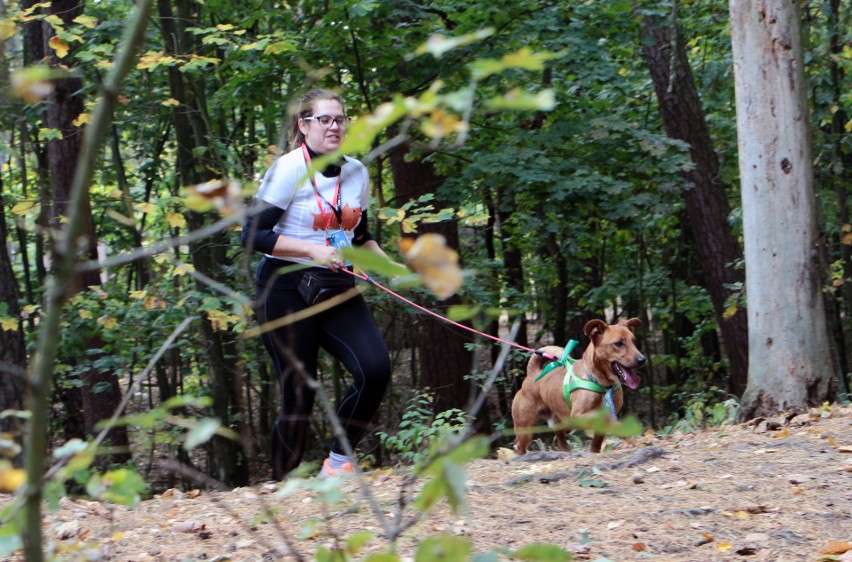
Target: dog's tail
537,361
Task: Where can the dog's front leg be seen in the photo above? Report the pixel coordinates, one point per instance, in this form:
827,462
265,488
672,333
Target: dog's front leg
597,442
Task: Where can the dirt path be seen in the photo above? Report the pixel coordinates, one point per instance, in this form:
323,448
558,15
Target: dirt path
771,491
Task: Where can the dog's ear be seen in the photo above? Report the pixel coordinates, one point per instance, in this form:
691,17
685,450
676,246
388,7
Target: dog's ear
633,323
594,329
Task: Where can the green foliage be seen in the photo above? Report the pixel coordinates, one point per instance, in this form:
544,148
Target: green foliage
709,408
420,430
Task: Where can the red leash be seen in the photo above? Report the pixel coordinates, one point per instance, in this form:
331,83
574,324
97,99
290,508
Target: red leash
370,280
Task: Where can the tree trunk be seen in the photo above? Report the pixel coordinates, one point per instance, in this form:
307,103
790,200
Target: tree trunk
13,356
444,361
210,256
100,393
705,194
790,364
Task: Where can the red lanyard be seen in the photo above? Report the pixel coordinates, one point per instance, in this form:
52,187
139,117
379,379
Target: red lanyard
319,198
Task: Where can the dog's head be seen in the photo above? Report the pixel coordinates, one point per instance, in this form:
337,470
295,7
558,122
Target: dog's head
614,354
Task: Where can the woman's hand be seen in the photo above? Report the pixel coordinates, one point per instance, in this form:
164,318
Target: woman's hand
327,256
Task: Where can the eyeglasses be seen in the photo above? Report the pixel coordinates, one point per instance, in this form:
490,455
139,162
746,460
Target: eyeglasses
327,120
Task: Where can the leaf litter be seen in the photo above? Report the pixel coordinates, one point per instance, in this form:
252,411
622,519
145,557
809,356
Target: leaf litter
777,490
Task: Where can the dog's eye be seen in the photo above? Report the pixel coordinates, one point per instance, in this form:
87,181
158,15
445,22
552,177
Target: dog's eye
619,344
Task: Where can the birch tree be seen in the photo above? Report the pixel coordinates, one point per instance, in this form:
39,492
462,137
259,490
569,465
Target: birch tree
790,364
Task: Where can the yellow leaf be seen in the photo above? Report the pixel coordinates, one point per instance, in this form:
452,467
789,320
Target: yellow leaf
145,207
435,263
171,102
224,27
847,239
441,124
82,119
86,21
723,546
152,302
9,324
55,22
183,269
7,29
11,478
24,208
59,46
84,314
137,294
176,220
108,322
742,515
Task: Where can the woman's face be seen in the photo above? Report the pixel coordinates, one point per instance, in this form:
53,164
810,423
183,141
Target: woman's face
324,139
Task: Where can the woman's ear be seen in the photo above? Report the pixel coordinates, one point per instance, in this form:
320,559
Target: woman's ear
303,126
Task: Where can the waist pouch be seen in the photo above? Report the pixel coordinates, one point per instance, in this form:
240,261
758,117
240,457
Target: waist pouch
317,285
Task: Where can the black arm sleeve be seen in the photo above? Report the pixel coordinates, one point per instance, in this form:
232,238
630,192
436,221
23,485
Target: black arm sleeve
361,234
257,232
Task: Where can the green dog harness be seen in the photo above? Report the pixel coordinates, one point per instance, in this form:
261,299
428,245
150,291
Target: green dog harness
571,382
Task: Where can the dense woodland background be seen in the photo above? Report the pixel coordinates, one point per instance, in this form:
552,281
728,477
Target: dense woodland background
580,156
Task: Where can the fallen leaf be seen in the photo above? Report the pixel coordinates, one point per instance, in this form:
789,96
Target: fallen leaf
723,546
504,453
836,547
639,547
845,449
189,526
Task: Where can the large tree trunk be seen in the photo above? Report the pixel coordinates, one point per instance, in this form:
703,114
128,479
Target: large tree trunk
100,393
706,194
790,363
444,361
13,357
210,257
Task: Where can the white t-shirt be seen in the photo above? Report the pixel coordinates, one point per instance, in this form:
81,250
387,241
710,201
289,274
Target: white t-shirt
287,186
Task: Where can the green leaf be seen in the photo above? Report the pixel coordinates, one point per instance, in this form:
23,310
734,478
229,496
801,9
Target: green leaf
430,495
280,47
443,548
437,45
518,100
362,132
121,486
382,557
374,263
357,541
201,433
460,312
71,447
541,553
592,483
10,543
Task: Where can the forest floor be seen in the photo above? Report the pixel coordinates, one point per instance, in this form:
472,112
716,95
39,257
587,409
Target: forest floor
778,490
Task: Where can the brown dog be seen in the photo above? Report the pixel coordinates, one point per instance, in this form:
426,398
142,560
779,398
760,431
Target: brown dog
608,360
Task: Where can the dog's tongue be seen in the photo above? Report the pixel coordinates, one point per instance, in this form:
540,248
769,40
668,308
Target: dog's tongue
627,376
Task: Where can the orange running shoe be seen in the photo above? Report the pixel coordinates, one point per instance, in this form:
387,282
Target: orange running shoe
328,472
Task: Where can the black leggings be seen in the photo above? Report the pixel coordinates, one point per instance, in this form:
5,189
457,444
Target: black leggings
348,332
